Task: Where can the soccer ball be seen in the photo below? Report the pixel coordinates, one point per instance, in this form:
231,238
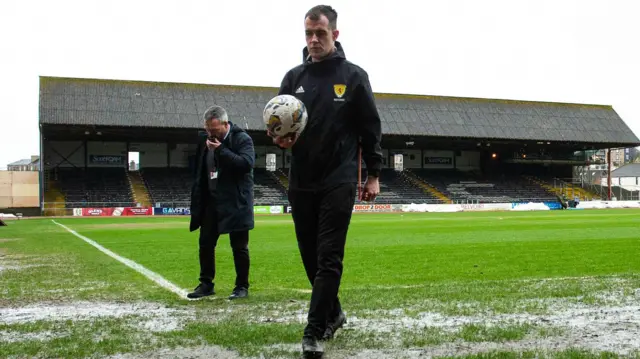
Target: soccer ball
285,115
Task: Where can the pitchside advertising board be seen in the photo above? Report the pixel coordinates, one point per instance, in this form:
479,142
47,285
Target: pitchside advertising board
361,207
366,208
113,212
268,209
171,211
373,208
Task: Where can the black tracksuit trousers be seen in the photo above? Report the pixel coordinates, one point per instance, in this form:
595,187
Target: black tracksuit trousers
321,220
208,240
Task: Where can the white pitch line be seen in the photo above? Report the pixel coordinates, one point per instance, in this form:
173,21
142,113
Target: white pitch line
157,278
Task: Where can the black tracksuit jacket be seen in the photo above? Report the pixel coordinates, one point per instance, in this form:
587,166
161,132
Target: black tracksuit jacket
341,114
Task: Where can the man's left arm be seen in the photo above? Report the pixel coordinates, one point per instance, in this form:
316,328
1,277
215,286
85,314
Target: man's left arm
241,158
369,125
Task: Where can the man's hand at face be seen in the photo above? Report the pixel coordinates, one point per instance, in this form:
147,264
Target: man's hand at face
212,145
371,189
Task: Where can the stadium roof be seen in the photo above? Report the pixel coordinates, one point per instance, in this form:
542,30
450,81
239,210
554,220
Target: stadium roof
24,162
628,170
95,102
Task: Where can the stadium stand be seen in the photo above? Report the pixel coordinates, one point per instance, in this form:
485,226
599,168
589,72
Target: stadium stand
267,188
562,188
94,187
443,139
395,187
168,185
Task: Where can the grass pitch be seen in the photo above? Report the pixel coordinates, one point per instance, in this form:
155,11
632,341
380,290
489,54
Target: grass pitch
511,284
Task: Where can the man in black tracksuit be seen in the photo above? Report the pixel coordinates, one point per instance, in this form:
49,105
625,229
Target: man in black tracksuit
324,165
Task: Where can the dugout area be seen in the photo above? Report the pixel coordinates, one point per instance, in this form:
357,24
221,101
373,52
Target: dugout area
451,150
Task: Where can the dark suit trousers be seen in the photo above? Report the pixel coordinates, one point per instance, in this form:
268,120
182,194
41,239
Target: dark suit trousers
321,220
209,239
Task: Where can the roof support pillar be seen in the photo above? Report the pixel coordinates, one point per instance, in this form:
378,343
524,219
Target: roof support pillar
609,174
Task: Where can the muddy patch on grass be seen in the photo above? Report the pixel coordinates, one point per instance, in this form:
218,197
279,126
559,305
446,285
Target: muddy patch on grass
192,353
544,347
145,316
614,329
87,287
13,262
9,336
611,324
17,267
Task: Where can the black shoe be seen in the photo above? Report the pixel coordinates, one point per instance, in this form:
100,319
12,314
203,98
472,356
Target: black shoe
334,325
202,290
312,348
239,292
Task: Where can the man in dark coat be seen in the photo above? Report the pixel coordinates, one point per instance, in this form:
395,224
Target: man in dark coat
222,199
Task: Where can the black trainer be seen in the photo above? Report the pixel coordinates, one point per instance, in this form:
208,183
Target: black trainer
312,348
202,290
334,325
239,292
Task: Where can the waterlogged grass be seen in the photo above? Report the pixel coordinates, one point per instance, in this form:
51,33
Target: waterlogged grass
429,336
459,264
564,354
249,339
76,339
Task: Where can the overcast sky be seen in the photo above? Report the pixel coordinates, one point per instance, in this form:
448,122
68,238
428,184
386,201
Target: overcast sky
564,51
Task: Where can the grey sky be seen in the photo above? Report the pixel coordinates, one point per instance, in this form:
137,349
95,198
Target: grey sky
561,50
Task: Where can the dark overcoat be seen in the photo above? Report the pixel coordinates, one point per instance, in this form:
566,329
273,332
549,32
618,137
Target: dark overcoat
234,205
